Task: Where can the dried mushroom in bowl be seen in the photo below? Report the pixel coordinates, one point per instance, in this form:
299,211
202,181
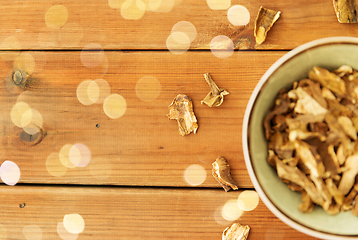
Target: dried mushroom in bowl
312,139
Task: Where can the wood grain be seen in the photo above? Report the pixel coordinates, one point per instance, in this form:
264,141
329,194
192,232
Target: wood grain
94,21
143,147
134,187
133,213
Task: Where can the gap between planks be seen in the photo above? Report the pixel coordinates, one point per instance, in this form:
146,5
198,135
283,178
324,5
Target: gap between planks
121,186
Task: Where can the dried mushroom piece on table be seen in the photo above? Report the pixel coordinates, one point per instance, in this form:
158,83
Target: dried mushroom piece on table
221,172
236,232
216,95
346,10
264,21
312,139
181,109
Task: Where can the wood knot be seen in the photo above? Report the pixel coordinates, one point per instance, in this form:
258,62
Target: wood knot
17,81
26,138
33,138
19,77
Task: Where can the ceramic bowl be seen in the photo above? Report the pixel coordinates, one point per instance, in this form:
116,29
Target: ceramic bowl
328,53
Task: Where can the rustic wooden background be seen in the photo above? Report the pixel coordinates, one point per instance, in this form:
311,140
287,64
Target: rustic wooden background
134,188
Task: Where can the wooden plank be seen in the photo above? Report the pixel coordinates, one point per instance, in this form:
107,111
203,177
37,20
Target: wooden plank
94,21
142,147
132,213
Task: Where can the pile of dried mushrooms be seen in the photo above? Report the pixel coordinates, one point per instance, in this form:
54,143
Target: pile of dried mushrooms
312,139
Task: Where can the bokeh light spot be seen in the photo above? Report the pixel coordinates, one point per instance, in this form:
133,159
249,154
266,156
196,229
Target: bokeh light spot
195,174
185,27
65,156
231,210
64,234
54,165
89,92
25,62
238,15
56,16
9,173
35,123
92,55
133,9
178,42
147,7
82,93
222,46
104,90
17,112
10,43
148,88
26,118
80,155
248,200
114,106
25,97
32,232
219,4
219,218
93,91
74,223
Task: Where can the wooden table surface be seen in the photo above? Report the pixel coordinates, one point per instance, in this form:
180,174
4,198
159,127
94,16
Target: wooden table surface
133,186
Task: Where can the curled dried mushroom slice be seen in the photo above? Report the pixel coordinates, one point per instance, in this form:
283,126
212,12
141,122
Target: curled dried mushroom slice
347,126
181,109
221,172
328,79
236,232
335,192
314,165
348,177
293,174
216,95
306,104
343,70
282,107
307,205
349,199
346,10
264,21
